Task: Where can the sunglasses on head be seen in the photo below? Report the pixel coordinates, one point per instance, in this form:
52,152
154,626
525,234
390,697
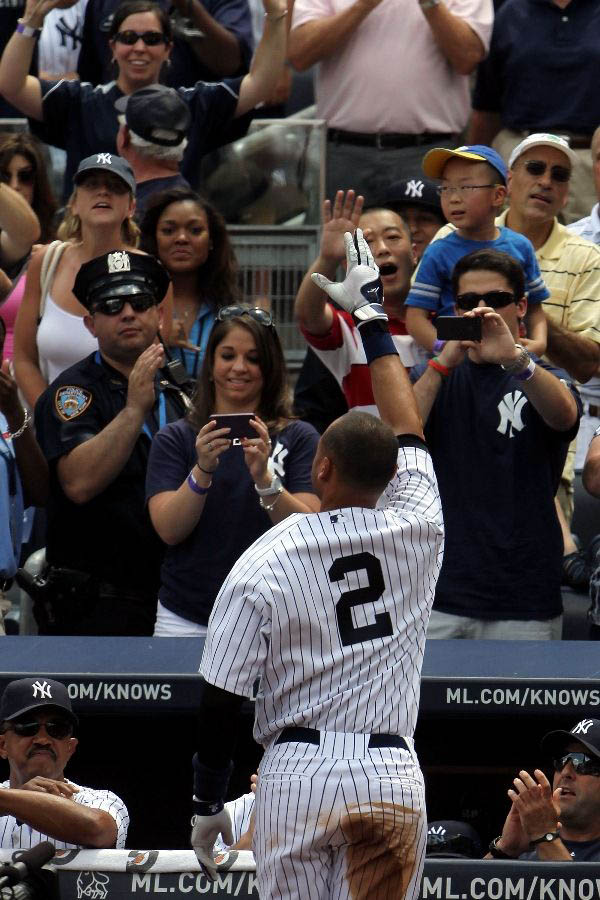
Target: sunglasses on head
150,38
24,176
262,316
114,305
582,763
536,168
55,728
495,299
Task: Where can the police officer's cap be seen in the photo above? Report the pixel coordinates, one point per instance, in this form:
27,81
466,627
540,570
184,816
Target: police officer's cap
120,274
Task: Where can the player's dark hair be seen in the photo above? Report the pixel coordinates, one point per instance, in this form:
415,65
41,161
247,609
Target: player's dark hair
132,8
217,278
491,261
380,208
275,405
364,450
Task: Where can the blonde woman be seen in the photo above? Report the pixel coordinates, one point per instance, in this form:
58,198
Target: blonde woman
49,334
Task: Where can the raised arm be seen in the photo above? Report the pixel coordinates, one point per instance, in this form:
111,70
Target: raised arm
313,41
219,49
19,226
456,39
269,59
311,308
361,294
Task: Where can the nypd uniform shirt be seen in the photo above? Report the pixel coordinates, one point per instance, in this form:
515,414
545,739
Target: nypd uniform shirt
111,536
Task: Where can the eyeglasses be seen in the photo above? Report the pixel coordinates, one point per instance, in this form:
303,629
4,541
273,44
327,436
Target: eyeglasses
263,316
24,176
582,763
150,38
55,728
495,299
463,190
536,167
114,305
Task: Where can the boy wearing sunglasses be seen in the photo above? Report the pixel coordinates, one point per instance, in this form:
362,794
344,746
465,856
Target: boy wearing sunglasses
37,802
473,191
558,822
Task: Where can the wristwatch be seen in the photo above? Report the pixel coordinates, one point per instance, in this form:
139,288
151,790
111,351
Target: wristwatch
496,852
520,363
545,838
429,4
275,487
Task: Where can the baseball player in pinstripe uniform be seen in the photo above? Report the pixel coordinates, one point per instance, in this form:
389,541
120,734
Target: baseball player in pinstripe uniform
330,610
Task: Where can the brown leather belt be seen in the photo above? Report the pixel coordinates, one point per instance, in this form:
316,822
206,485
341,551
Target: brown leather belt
385,140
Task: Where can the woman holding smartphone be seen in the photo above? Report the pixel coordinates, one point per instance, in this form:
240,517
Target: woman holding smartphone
210,496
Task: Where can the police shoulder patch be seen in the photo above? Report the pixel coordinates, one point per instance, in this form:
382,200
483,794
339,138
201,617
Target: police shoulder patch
71,401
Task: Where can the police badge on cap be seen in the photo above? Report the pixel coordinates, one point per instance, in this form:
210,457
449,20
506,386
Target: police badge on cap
120,274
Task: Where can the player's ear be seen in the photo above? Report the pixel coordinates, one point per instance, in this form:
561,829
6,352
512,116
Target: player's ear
324,469
72,746
3,752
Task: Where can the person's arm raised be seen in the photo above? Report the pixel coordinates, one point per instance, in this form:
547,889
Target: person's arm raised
269,59
315,40
456,39
361,294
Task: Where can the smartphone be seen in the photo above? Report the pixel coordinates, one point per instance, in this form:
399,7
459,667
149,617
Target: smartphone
238,422
458,328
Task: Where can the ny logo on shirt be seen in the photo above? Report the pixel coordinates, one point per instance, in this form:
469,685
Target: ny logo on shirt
277,457
42,690
510,408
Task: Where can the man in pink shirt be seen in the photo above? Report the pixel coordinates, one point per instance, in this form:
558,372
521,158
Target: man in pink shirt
392,80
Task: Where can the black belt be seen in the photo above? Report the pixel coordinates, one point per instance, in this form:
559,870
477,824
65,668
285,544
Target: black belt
385,140
312,736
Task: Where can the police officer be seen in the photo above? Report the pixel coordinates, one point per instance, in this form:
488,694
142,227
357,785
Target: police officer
95,423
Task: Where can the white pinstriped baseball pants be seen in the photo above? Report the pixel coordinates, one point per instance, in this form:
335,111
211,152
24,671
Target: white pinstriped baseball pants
339,821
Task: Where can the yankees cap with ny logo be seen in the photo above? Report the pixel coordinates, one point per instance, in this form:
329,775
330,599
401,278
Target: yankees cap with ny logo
25,694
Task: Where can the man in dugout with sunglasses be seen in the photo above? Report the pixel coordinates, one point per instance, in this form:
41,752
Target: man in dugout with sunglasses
557,822
37,802
95,423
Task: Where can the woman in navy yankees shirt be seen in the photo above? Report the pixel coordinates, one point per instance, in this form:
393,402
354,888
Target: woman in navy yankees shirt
209,496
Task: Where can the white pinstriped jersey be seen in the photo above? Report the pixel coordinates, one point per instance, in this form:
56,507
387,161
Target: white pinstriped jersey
331,609
14,834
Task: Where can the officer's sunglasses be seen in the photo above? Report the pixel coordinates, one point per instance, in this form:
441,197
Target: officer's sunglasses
263,316
114,305
495,299
55,728
24,176
150,38
537,167
582,763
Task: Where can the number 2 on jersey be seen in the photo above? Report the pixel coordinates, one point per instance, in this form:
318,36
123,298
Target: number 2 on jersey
382,626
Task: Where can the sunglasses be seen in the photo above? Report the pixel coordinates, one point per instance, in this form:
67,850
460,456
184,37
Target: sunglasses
24,176
114,305
495,299
150,38
262,316
55,728
582,763
536,168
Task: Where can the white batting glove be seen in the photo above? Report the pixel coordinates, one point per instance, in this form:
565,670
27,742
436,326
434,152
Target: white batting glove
205,831
361,291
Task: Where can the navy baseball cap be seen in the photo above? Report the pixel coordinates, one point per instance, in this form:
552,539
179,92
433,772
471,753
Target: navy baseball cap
436,159
120,274
26,694
416,191
449,838
586,732
157,114
107,162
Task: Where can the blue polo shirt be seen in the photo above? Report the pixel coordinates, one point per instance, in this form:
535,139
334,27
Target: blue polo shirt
543,68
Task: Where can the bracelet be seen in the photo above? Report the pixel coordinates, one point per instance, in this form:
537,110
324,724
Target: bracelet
11,435
27,31
269,506
207,471
548,837
274,488
275,18
496,852
195,487
438,345
527,373
439,367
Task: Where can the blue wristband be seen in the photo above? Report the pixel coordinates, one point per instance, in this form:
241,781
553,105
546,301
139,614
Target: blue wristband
377,340
195,487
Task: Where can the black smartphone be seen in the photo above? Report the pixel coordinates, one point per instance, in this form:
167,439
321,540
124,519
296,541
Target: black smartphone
238,422
458,328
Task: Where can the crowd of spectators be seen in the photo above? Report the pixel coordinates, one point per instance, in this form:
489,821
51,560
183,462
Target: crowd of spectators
463,138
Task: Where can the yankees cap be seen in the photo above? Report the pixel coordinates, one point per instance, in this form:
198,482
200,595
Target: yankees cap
449,838
586,732
157,114
120,274
26,694
415,191
436,159
107,162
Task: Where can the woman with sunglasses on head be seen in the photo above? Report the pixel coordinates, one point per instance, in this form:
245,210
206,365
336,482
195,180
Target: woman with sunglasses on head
50,335
189,237
210,497
140,39
22,172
